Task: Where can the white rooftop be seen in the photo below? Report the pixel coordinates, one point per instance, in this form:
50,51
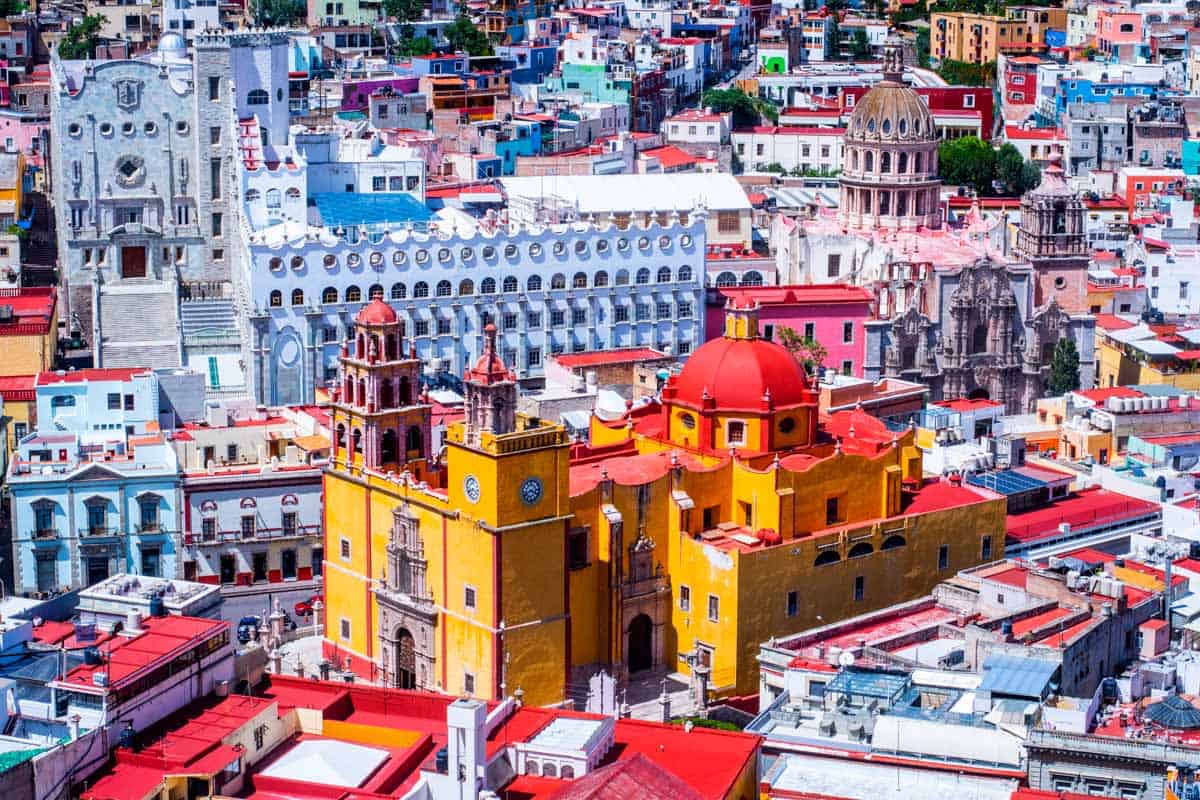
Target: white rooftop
567,734
600,194
1154,347
860,781
328,761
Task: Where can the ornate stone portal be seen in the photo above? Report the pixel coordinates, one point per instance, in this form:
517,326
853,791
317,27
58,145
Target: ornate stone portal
407,616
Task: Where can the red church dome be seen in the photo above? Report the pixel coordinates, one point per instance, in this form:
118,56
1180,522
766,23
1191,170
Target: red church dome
737,373
377,312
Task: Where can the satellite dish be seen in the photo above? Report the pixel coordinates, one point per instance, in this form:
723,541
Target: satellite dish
846,659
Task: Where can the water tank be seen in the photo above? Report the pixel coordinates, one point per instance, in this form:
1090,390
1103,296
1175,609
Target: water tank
157,607
100,679
442,761
91,656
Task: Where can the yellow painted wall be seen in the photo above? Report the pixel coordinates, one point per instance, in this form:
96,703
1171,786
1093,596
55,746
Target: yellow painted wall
19,411
1117,369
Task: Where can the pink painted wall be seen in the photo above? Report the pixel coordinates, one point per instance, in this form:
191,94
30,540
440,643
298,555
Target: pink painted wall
827,319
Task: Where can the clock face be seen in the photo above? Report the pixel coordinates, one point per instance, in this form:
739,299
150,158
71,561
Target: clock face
471,488
531,491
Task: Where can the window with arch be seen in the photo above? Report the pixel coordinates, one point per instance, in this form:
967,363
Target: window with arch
918,159
726,279
685,273
827,557
860,550
399,291
297,297
558,281
375,291
252,195
355,441
488,286
276,299
274,198
643,276
258,97
869,161
601,279
579,280
854,159
885,162
414,443
292,194
892,542
534,284
329,295
664,275
550,770
421,289
353,294
902,163
567,772
622,277
531,767
444,289
466,288
752,278
510,284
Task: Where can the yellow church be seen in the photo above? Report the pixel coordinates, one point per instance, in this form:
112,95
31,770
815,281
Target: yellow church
677,539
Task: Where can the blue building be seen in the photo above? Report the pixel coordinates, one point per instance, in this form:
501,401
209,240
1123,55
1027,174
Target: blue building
530,62
95,488
1084,92
518,138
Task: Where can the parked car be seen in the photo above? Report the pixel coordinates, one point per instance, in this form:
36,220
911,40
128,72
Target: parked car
305,607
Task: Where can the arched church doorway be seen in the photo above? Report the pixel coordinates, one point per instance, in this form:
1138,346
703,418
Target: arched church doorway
406,660
639,653
979,394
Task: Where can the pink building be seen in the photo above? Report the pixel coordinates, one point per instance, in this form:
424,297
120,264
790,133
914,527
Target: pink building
1117,30
831,313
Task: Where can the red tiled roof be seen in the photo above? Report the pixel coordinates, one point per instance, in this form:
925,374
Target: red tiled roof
1111,322
16,388
82,375
1099,396
669,156
634,777
792,130
598,358
1085,509
961,404
1017,132
125,658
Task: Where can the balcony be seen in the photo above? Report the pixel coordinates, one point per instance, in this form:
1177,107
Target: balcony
97,531
44,533
257,535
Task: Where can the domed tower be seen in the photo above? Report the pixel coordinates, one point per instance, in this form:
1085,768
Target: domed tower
490,390
740,392
889,163
1052,238
378,420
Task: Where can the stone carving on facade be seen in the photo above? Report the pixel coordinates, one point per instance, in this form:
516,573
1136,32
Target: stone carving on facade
130,171
129,93
407,616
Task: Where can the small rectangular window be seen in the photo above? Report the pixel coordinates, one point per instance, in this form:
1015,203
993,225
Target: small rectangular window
129,402
114,401
860,588
214,134
810,331
345,629
345,549
944,557
847,332
469,598
985,551
577,548
832,511
214,87
714,608
217,224
468,683
793,603
685,598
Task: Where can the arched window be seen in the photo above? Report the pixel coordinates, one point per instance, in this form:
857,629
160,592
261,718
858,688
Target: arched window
827,557
531,767
292,194
444,289
567,772
414,442
550,770
297,297
685,273
510,284
355,442
752,278
258,97
601,279
558,281
885,163
854,160
353,294
466,288
276,299
579,280
726,279
643,277
329,295
622,277
404,395
385,395
860,550
918,159
534,284
421,289
869,162
399,291
488,286
664,275
274,198
340,439
252,195
892,542
902,163
362,389
387,447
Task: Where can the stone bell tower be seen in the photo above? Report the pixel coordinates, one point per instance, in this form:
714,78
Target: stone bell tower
491,393
1051,237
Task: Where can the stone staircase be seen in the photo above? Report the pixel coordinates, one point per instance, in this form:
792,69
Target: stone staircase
138,326
207,319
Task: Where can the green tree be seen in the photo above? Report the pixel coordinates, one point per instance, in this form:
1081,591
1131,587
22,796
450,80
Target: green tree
1013,173
1064,368
463,35
9,8
968,161
808,351
964,73
276,13
404,10
415,46
860,46
80,40
747,111
775,167
922,48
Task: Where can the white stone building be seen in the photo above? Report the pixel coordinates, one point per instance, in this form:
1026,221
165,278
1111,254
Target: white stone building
792,147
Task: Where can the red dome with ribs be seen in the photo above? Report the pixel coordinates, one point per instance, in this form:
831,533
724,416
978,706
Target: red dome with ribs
377,312
737,373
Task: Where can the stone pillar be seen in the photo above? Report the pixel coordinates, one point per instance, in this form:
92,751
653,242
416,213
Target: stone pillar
664,702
